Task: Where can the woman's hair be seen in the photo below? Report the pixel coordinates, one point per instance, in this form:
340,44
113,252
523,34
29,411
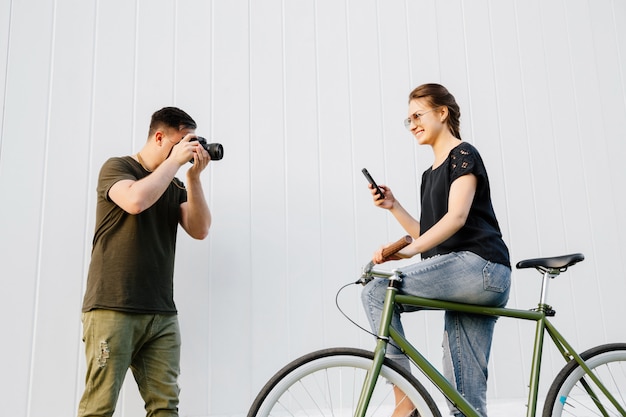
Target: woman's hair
437,96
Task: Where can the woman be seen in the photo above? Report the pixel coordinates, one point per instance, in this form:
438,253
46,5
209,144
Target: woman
463,255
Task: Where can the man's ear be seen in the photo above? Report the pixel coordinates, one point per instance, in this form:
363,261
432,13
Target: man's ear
158,137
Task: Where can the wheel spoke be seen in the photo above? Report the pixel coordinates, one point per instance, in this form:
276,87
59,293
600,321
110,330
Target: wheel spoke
328,384
574,393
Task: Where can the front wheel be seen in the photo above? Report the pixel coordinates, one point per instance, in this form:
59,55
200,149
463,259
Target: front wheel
328,383
573,393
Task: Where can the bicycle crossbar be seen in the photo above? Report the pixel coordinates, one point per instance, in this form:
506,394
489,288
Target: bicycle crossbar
468,308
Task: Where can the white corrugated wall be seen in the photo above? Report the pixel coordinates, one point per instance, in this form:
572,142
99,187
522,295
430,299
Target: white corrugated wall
303,94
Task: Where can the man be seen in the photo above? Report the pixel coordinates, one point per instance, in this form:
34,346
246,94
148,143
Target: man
129,315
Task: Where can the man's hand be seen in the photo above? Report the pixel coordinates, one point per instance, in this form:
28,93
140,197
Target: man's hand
201,160
185,150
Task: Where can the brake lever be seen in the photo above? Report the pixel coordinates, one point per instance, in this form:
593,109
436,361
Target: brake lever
366,274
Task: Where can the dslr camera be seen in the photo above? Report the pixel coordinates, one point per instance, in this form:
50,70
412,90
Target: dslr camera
215,150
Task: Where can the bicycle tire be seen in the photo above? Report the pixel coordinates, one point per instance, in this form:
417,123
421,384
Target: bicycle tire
567,395
328,383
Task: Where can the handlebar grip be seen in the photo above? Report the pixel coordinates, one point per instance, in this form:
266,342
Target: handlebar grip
396,246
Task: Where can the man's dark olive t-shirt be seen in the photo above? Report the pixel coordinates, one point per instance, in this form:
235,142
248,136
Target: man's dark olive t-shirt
132,259
481,232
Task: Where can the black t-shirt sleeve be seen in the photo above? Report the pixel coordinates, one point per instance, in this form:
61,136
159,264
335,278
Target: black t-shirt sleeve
463,161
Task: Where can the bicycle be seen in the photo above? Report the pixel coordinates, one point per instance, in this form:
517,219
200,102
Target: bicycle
350,382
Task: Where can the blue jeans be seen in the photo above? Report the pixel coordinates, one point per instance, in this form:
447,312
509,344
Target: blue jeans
462,277
148,344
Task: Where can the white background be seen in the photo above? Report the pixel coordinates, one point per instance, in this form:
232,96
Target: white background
303,94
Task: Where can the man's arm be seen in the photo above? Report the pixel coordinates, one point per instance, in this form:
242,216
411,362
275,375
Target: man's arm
136,196
195,213
195,216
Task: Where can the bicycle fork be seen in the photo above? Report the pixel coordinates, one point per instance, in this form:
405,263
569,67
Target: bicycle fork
381,346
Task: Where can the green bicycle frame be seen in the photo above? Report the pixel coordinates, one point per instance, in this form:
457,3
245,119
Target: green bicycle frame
447,389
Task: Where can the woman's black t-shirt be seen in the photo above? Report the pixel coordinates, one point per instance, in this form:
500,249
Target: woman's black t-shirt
481,232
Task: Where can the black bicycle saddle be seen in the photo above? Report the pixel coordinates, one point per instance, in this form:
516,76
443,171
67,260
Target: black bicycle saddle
554,262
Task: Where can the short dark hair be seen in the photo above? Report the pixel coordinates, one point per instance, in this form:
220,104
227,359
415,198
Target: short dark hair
172,117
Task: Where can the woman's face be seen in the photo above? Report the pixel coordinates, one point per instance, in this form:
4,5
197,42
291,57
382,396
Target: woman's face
425,122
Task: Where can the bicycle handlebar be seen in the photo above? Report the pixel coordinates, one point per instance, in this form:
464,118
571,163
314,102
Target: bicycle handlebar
366,276
397,246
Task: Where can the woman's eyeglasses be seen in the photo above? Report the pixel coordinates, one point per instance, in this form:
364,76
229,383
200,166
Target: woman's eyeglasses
414,118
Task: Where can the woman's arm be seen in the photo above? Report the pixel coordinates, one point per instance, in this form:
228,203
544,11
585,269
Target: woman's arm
408,222
460,200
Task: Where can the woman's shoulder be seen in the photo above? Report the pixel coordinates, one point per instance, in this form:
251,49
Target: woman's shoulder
465,159
464,148
465,151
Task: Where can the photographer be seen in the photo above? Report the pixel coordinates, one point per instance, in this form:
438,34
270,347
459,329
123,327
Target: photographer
129,316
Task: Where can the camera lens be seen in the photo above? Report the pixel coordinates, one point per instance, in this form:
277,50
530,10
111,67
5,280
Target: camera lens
215,150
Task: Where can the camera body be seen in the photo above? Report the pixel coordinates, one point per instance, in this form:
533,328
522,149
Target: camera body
215,150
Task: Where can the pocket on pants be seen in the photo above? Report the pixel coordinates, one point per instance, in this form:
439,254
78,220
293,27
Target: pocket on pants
496,277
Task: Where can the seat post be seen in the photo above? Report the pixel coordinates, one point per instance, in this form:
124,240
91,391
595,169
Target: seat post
548,274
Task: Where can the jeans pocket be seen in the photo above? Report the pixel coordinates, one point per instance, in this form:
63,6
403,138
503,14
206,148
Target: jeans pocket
496,277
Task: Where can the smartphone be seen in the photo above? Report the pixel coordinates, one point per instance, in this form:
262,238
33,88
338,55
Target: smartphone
371,181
